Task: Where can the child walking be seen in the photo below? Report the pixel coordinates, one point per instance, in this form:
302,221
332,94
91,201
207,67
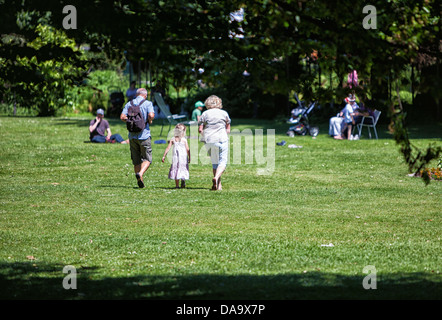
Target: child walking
179,169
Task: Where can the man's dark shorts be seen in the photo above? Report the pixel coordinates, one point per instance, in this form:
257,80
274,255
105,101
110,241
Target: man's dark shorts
140,151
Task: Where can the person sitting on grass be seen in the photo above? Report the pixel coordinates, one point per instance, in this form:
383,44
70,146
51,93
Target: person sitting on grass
98,128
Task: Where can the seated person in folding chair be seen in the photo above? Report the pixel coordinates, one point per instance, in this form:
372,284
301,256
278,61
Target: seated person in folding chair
361,112
159,89
335,126
347,113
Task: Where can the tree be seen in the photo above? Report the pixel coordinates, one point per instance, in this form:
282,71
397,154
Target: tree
278,42
38,61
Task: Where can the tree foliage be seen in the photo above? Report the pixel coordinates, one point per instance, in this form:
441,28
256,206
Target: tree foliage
38,60
282,44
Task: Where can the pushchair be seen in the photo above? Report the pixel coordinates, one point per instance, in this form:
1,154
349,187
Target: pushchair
300,122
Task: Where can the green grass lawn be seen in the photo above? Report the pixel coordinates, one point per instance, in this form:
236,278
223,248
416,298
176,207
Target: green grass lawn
304,231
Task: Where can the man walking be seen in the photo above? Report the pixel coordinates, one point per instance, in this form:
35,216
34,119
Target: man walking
140,141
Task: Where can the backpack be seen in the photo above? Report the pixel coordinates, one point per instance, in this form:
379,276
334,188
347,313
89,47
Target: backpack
135,121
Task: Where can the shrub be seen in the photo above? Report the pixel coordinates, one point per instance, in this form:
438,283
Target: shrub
95,92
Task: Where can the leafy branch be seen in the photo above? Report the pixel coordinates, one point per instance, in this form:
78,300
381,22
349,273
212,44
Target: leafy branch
416,163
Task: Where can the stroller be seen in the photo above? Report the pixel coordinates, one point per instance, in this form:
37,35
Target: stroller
300,123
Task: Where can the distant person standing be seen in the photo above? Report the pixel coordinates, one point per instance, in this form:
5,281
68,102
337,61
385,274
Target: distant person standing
348,117
139,135
131,93
98,128
352,78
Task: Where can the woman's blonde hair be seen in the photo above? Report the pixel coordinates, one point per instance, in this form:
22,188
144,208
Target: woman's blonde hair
213,102
180,130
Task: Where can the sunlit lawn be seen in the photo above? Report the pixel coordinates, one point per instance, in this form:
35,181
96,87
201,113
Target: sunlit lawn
305,230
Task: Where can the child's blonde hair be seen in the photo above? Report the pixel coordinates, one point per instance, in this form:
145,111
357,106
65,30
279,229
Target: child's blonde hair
180,130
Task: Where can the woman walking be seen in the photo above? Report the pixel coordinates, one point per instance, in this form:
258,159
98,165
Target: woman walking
214,125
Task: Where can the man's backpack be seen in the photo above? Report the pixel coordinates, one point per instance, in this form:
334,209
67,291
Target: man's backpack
135,121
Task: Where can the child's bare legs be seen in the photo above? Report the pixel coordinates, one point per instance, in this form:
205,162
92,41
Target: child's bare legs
349,132
177,183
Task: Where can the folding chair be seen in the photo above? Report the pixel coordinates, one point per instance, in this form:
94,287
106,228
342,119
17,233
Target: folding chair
171,118
374,121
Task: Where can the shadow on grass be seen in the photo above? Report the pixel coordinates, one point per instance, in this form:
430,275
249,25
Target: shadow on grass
29,280
150,187
119,186
432,131
75,122
186,188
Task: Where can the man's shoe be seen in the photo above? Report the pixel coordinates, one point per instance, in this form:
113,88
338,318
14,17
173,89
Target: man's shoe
139,180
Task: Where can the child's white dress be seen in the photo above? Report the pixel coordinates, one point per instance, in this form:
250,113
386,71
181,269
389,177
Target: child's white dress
179,169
